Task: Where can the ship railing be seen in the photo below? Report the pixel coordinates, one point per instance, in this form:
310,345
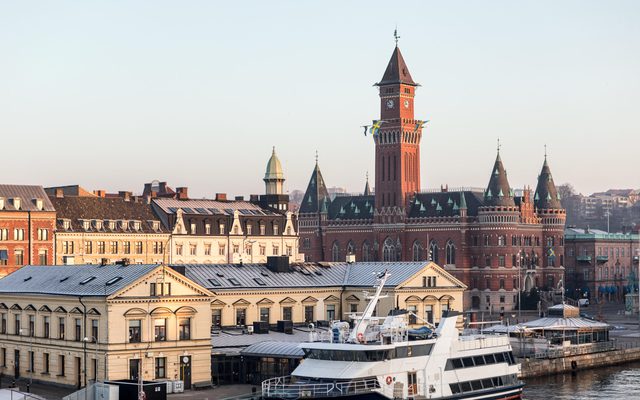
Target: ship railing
481,342
284,388
575,350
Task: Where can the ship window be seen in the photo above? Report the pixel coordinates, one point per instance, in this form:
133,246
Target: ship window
421,350
468,362
500,357
476,385
457,363
497,381
455,388
487,384
478,360
466,386
510,358
489,359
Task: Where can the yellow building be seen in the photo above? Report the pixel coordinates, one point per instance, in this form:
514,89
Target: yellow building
93,230
70,324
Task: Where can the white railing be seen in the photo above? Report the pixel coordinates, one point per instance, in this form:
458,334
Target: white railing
283,388
480,342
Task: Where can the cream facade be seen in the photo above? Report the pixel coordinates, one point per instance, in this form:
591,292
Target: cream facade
152,321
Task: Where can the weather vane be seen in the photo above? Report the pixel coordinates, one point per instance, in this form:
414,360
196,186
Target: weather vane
316,156
395,35
498,145
545,151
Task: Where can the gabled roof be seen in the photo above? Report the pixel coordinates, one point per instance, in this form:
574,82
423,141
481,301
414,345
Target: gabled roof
498,192
445,204
26,194
546,196
397,71
316,197
66,280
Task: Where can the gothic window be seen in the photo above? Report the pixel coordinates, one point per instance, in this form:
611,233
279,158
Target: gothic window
351,249
388,250
417,251
366,250
502,240
433,252
486,240
451,252
335,252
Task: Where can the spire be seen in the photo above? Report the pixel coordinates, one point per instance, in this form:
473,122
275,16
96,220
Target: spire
316,194
498,191
397,71
367,191
547,196
463,202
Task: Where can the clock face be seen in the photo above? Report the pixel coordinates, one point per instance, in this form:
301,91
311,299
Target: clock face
390,103
406,104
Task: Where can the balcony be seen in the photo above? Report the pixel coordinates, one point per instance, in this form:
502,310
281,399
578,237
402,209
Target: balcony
602,259
583,259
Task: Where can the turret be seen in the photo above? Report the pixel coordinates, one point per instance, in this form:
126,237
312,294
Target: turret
498,192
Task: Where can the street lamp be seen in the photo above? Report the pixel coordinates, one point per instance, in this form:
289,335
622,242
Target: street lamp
31,359
519,265
93,339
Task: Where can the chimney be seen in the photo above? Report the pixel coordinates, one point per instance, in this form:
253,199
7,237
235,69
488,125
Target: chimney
254,198
239,198
147,188
162,187
278,263
59,193
183,193
125,195
100,193
221,197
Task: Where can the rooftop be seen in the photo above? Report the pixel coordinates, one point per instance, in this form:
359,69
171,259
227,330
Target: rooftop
591,234
27,195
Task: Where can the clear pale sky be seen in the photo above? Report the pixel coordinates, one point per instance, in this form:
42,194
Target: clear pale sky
114,94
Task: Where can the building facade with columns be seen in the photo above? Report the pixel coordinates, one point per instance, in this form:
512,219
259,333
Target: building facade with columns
222,230
497,240
71,324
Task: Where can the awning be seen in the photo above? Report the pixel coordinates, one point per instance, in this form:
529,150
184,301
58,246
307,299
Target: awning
274,349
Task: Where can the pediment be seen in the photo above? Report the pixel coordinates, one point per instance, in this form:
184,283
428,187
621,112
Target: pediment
30,307
16,307
287,300
44,309
265,301
310,299
331,299
75,310
180,285
413,299
241,302
60,309
135,312
353,298
3,306
218,303
93,311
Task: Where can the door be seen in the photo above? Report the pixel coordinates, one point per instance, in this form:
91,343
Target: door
134,369
185,371
78,372
412,383
16,364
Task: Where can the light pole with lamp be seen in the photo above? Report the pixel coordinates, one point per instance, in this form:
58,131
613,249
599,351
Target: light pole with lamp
31,359
93,339
519,265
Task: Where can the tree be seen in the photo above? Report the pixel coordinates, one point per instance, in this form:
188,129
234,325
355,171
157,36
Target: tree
566,191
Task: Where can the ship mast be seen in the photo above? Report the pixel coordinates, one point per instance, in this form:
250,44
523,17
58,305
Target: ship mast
362,323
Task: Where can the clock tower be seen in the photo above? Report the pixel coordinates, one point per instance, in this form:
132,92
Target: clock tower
398,139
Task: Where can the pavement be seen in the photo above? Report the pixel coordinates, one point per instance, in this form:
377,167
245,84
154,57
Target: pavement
47,391
218,393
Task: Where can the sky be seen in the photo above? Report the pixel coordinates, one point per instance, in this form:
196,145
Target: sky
110,95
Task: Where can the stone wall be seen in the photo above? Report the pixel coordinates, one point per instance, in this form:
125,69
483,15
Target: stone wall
532,367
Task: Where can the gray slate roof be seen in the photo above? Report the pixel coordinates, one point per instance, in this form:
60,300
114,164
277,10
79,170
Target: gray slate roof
274,349
64,280
26,193
218,276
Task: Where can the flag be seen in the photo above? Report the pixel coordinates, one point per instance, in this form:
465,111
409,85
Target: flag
375,127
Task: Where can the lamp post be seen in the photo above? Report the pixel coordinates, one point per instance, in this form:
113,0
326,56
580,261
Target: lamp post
519,265
93,339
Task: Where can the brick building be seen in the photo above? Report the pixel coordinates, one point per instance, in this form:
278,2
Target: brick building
27,223
600,264
495,240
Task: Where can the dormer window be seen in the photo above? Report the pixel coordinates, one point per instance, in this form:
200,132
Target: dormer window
17,203
112,225
39,204
136,225
155,225
124,224
66,224
275,228
221,226
97,224
86,225
192,228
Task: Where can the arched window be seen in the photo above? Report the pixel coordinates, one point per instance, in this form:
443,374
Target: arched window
366,251
335,252
418,251
351,249
451,252
433,252
502,240
388,250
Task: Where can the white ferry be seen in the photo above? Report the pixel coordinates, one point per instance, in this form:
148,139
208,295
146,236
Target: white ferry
381,358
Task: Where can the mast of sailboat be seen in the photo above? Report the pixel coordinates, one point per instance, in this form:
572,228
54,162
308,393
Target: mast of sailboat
361,324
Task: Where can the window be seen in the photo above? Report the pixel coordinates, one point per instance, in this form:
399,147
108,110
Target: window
241,316
502,240
18,234
135,331
221,228
61,364
3,323
353,307
276,229
78,326
43,256
263,250
216,318
184,328
88,247
101,247
451,253
3,354
264,314
287,313
43,234
160,329
31,362
192,228
207,229
45,326
193,249
19,254
113,247
4,257
249,228
263,229
4,234
331,312
207,249
276,250
16,324
501,261
138,247
61,328
45,363
309,313
94,330
487,261
158,247
161,363
235,249
32,325
501,299
433,252
221,250
428,313
501,283
126,247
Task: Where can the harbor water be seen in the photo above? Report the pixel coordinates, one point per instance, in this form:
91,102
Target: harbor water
612,383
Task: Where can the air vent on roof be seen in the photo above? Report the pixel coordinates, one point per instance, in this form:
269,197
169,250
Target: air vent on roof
318,273
264,273
220,274
89,279
113,280
64,279
305,272
214,282
28,278
234,281
259,281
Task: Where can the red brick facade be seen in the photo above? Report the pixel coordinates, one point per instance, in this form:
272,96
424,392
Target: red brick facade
495,240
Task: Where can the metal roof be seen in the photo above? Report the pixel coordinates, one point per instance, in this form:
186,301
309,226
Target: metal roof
66,280
274,349
563,323
591,234
27,194
211,207
227,339
233,276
